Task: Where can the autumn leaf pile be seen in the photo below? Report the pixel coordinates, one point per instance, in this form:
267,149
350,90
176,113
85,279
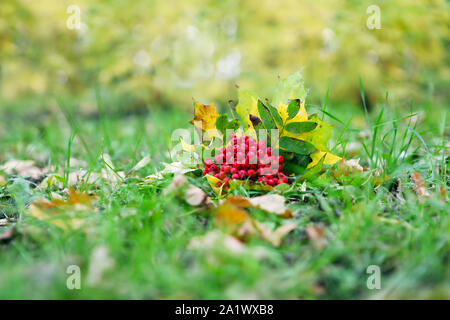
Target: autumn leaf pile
301,140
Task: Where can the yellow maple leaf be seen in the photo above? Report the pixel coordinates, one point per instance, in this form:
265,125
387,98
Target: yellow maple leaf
318,155
301,116
205,117
65,214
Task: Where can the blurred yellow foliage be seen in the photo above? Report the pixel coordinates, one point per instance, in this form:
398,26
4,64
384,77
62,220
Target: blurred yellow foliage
169,51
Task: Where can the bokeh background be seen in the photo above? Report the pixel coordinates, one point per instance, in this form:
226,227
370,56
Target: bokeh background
161,53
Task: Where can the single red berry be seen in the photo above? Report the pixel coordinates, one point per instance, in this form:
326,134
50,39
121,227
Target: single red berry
235,176
280,159
251,172
269,151
208,162
213,167
276,181
226,168
270,182
264,160
205,171
261,171
218,158
242,173
284,179
234,170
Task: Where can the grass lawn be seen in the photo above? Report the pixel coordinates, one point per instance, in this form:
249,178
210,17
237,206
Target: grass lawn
136,238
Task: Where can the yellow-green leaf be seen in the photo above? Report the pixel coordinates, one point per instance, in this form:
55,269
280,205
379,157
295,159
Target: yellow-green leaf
205,116
248,104
329,159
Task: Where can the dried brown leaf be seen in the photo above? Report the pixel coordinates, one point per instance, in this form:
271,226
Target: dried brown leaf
65,214
195,196
419,186
316,235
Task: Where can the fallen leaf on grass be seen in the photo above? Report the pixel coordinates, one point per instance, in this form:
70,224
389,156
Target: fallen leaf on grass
277,236
195,196
24,168
65,214
316,234
2,181
216,238
272,203
231,214
175,168
419,186
141,164
216,242
178,181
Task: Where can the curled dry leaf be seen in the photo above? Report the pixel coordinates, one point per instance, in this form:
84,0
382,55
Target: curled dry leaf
217,239
316,234
195,196
419,186
65,214
272,203
275,236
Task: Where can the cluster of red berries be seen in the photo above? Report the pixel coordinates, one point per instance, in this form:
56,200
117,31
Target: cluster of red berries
245,158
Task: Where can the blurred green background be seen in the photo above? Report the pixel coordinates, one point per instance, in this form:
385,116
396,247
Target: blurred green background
145,54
